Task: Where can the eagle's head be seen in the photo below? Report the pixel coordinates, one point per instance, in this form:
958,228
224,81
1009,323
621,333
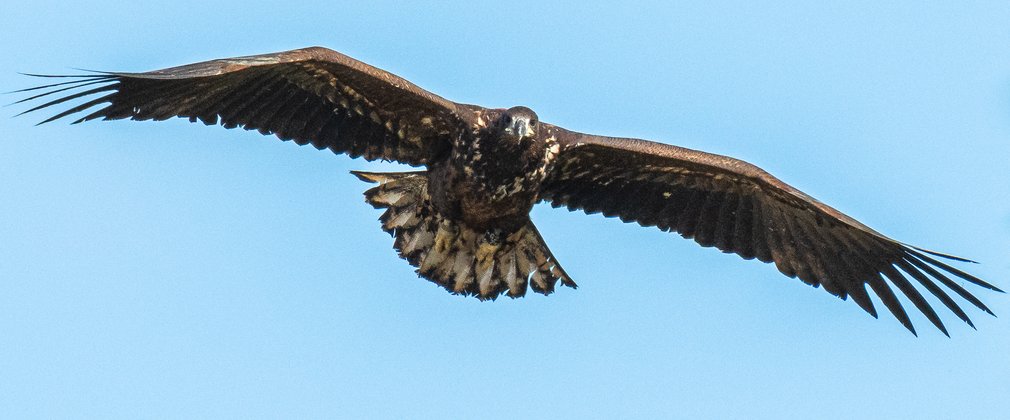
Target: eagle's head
518,123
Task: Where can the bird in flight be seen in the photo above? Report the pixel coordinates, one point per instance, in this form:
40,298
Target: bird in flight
464,222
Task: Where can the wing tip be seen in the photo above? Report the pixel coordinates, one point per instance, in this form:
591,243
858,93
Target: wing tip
942,255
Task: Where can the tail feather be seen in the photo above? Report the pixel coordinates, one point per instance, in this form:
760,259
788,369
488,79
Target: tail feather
454,256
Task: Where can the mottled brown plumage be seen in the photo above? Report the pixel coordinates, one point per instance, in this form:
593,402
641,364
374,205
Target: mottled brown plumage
464,223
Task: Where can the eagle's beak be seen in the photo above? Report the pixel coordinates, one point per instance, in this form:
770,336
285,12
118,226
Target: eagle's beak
521,127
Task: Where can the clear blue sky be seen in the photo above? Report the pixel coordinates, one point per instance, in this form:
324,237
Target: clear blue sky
159,270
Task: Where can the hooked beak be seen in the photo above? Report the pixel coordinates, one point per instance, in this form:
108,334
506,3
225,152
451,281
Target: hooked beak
520,128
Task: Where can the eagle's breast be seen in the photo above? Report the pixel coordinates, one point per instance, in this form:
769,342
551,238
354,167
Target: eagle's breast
491,181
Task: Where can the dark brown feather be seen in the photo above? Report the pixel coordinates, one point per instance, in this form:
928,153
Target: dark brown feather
311,95
737,207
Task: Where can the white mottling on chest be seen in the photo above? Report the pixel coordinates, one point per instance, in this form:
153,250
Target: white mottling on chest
550,154
480,120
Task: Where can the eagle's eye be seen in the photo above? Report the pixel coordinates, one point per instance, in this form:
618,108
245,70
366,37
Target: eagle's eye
533,123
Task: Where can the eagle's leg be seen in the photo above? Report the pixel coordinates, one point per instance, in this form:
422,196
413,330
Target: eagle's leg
454,256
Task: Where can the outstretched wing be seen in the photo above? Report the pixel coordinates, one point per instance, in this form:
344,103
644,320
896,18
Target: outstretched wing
312,96
739,208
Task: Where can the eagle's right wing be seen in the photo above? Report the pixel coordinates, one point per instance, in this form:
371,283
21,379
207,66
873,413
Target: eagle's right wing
312,96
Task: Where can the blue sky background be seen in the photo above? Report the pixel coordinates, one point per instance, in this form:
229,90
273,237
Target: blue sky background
158,270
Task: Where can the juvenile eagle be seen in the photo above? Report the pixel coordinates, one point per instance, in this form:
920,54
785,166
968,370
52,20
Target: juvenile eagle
464,222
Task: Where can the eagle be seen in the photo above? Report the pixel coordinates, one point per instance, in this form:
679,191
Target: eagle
463,222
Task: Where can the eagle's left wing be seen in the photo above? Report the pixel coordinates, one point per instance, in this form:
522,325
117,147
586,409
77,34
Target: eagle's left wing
312,96
739,208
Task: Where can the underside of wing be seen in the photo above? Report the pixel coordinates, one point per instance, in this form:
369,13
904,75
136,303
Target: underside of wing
739,208
312,96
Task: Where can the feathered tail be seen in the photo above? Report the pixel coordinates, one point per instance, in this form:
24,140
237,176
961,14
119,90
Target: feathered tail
450,254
